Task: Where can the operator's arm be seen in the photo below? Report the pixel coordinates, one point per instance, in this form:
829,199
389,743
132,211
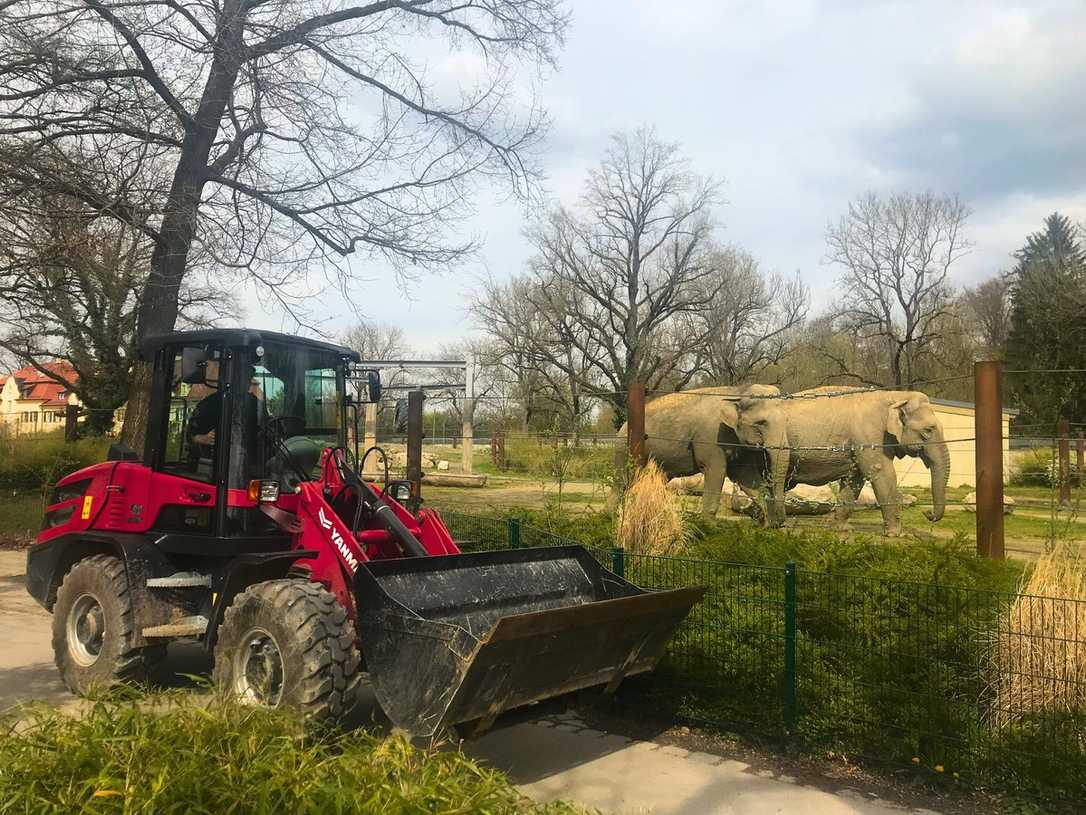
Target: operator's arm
204,420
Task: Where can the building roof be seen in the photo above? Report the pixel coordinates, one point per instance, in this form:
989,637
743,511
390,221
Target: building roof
967,405
35,386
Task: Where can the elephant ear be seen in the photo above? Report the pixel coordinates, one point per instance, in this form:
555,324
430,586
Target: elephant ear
729,418
895,418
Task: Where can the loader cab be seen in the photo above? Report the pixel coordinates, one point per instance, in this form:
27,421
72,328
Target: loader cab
231,407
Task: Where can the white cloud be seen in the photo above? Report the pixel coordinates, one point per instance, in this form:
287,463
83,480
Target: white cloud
802,106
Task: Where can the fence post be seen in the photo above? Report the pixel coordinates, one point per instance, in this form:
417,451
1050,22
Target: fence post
790,646
1080,454
468,450
988,435
513,533
414,448
635,423
618,561
1063,431
71,417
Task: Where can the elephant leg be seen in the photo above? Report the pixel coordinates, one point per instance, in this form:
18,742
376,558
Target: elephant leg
880,472
714,483
848,489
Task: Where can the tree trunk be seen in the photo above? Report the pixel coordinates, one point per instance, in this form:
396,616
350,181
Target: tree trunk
158,306
134,429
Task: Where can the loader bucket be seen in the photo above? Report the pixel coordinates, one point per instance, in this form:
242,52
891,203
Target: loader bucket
458,638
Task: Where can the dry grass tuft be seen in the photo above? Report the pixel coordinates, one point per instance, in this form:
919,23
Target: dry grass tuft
650,519
1040,654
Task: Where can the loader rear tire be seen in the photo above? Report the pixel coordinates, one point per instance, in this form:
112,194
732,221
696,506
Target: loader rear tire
288,642
94,628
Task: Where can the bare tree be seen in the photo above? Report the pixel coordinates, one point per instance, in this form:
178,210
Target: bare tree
751,319
897,253
377,341
70,286
988,307
513,327
532,335
628,261
292,133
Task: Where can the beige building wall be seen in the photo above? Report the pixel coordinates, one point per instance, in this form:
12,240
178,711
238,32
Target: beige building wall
958,430
29,415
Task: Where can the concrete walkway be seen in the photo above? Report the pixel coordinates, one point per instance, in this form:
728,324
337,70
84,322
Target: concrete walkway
549,758
556,757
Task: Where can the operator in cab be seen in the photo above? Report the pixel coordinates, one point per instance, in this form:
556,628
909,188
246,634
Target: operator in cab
203,423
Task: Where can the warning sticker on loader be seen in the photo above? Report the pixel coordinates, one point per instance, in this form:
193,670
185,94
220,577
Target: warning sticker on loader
88,500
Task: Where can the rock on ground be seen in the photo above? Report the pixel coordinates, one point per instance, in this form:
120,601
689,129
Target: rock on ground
969,503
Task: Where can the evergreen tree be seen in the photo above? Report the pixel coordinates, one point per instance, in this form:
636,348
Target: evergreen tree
1048,298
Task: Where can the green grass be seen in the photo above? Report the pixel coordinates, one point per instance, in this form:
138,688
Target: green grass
171,754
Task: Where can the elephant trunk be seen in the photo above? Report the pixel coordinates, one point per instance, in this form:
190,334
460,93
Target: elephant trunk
778,455
937,458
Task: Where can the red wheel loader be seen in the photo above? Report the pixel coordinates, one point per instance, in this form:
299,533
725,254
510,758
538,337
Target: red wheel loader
245,526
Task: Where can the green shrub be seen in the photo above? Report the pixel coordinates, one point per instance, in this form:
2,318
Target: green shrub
1034,468
544,458
172,755
893,643
39,460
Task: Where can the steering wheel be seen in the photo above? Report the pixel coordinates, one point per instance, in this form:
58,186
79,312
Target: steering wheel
287,426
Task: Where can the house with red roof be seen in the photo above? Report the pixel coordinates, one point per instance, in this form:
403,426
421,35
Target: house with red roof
33,402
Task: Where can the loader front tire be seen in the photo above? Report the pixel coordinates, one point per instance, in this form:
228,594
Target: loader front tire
94,628
288,642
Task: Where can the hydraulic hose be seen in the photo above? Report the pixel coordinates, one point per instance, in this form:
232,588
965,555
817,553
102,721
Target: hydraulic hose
387,518
384,514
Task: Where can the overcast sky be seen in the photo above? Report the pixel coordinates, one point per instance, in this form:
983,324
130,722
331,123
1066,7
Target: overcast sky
800,106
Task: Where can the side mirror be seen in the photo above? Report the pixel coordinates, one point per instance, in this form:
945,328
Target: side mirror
193,366
373,386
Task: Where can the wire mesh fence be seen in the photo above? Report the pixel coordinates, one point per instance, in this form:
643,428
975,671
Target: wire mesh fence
985,687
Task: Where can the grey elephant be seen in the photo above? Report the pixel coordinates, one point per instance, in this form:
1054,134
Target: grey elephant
854,436
693,431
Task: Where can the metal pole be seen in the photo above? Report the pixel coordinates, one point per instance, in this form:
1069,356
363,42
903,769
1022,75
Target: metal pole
414,448
635,423
1063,431
618,561
790,646
988,431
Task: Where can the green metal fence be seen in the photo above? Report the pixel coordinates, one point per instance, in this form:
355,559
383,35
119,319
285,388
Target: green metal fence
942,680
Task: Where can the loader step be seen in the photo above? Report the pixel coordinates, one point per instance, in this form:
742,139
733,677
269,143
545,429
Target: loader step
182,627
180,580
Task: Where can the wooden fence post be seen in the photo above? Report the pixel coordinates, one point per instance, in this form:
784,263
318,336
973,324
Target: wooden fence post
71,426
414,447
635,424
988,434
1063,433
